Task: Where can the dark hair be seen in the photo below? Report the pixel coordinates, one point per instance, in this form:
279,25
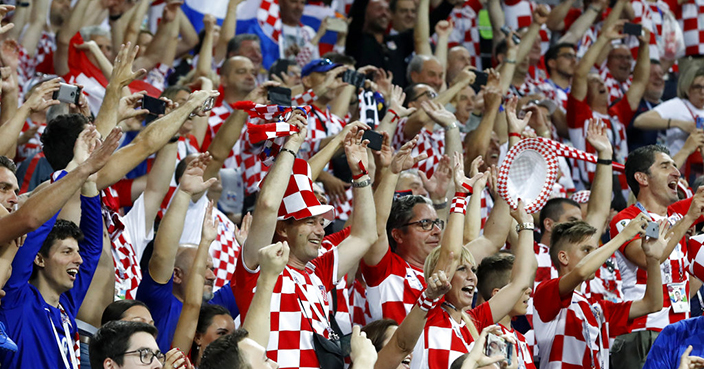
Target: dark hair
553,51
60,136
554,209
494,272
205,319
225,353
6,162
411,94
171,91
640,160
501,48
279,67
376,331
338,58
401,213
116,310
62,230
233,46
113,339
564,233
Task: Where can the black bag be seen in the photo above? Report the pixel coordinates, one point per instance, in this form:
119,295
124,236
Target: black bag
328,352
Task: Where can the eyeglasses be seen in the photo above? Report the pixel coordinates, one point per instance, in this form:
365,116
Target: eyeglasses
431,95
428,224
699,88
146,355
569,56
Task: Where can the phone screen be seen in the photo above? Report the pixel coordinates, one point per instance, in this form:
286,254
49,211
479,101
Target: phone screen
280,96
154,105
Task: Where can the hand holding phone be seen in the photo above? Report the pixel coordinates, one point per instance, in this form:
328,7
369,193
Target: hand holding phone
496,345
633,29
480,79
652,230
155,106
507,31
279,95
375,139
66,93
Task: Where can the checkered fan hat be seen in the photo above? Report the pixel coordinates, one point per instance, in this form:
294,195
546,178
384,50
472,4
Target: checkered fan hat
299,201
528,172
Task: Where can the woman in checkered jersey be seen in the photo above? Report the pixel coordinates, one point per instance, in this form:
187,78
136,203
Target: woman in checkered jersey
452,324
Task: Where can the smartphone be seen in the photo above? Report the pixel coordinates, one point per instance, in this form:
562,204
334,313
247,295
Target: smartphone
358,81
652,230
337,25
348,76
496,345
280,96
155,106
67,94
481,78
700,123
633,29
375,139
507,31
208,104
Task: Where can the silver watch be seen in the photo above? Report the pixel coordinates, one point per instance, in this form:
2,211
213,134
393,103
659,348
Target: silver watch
523,226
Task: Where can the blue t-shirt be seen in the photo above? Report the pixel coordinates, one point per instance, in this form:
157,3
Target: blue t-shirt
166,308
28,318
673,341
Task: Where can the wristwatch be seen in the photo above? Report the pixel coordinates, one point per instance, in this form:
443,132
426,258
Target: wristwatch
525,226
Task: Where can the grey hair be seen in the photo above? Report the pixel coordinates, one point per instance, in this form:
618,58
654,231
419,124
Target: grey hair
233,46
416,64
90,31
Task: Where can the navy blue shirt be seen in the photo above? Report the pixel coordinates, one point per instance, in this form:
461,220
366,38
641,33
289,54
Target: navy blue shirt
28,318
640,137
166,308
673,341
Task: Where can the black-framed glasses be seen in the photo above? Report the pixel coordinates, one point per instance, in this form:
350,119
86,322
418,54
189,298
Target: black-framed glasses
569,56
428,224
431,95
146,355
699,88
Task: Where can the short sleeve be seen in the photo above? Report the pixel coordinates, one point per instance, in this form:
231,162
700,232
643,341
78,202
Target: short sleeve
616,314
135,224
376,274
620,221
326,268
668,109
545,297
482,317
578,112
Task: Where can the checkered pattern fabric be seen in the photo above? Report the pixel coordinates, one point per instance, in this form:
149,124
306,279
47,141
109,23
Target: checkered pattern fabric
528,172
524,353
588,39
268,131
299,201
34,145
218,115
459,205
444,340
674,270
269,20
42,62
430,143
267,112
128,274
581,197
304,98
321,124
360,304
607,283
157,76
299,307
650,15
224,250
617,90
425,303
571,332
393,287
531,86
696,255
689,15
570,152
255,159
559,95
345,295
487,205
519,14
466,30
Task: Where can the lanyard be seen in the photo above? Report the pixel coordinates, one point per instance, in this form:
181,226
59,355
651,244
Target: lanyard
668,264
67,334
587,333
456,327
642,209
694,117
311,303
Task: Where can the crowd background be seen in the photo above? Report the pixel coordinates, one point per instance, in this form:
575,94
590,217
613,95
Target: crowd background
313,167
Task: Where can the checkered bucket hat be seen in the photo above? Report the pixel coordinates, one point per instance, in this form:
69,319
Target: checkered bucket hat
299,201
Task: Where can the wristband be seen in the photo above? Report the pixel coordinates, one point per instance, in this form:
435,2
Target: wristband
363,169
115,17
288,151
461,194
23,4
396,117
459,205
451,126
604,161
468,188
363,183
440,205
426,304
514,134
510,61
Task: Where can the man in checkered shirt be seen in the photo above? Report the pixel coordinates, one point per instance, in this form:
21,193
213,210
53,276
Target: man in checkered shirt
653,176
570,331
301,307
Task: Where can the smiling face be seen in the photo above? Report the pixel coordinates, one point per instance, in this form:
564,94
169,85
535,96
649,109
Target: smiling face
597,93
463,284
619,63
404,17
662,179
413,239
377,16
656,84
304,236
59,268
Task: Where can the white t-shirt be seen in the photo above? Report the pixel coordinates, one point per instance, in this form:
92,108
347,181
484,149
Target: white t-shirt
679,109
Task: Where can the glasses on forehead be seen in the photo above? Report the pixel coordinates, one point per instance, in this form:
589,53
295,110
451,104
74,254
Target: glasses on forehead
324,62
146,355
430,93
428,224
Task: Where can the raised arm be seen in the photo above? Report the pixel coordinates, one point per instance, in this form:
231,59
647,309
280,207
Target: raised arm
579,79
421,32
63,37
443,29
641,72
162,38
188,320
477,142
41,206
593,261
556,19
189,36
272,191
497,19
353,248
600,198
523,272
161,264
273,260
205,56
473,220
653,250
37,21
227,32
158,181
540,16
582,24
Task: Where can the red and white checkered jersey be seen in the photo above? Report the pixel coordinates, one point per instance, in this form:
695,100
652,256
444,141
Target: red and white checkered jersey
321,124
129,238
571,332
253,168
617,90
578,114
41,62
650,15
672,271
224,249
221,111
487,205
157,76
431,143
304,98
466,30
531,86
607,283
393,287
299,307
525,356
689,16
588,39
34,145
343,314
519,14
695,253
444,340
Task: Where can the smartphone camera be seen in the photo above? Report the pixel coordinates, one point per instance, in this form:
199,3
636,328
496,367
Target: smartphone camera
66,93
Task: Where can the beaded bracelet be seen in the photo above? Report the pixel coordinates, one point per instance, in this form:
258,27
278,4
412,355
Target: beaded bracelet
425,303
